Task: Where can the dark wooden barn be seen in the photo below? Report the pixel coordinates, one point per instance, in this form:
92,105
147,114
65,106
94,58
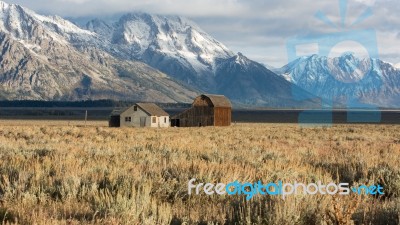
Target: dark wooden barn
206,110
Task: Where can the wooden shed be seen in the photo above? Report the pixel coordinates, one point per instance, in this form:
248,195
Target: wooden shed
139,115
206,110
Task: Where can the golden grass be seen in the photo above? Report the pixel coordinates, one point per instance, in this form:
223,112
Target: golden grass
60,172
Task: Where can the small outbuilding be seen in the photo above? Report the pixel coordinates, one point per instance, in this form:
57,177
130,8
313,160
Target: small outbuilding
206,110
140,115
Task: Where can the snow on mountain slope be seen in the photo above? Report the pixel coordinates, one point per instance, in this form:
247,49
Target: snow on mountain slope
346,78
92,62
170,35
22,24
250,82
47,57
175,45
180,48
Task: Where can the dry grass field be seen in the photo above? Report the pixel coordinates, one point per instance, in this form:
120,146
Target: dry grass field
60,172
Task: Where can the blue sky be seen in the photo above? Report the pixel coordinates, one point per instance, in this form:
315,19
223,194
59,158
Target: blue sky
257,28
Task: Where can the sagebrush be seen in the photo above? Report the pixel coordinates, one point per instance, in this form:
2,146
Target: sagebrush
69,173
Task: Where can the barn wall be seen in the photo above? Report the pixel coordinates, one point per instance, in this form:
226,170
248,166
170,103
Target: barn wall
196,116
222,116
206,111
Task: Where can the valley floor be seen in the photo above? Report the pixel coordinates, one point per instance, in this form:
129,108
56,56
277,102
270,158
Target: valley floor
60,172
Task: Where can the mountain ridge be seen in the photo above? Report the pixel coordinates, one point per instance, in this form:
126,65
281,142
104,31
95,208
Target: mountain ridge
103,60
172,44
161,58
346,78
49,58
178,47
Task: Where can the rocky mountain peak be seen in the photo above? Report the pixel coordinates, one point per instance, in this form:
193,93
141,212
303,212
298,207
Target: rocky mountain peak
241,59
347,77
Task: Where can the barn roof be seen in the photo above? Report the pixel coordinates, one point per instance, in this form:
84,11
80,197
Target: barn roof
152,109
218,100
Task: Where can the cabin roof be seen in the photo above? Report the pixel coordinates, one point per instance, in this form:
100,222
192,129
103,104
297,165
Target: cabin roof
149,108
152,109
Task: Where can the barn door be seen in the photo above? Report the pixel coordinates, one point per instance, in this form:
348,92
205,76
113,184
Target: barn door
142,121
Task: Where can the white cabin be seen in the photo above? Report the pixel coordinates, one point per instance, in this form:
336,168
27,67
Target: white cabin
140,115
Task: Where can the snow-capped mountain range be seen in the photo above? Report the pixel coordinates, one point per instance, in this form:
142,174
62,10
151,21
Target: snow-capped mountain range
49,58
181,49
172,44
159,58
251,83
346,80
137,57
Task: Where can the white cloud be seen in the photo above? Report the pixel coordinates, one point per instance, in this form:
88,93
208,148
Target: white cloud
95,7
367,2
